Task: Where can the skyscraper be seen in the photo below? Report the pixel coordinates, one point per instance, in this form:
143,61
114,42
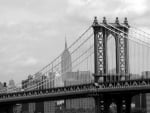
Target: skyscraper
11,86
11,83
71,78
66,64
49,106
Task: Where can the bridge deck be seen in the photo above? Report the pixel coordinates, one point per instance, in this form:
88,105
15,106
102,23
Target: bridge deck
79,91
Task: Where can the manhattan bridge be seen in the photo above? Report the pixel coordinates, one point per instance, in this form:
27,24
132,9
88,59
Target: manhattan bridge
116,58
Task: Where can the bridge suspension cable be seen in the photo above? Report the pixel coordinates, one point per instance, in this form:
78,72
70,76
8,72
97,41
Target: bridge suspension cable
141,32
54,66
138,33
130,36
78,39
41,83
138,51
59,77
82,49
84,52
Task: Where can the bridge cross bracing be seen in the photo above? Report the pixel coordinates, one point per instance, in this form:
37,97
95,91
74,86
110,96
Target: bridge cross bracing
85,46
81,55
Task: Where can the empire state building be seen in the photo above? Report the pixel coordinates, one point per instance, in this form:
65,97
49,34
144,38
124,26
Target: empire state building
66,64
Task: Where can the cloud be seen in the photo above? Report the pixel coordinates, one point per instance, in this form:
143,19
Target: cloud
136,6
30,61
31,29
110,9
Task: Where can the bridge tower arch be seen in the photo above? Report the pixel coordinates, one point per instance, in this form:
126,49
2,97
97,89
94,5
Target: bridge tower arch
101,34
119,31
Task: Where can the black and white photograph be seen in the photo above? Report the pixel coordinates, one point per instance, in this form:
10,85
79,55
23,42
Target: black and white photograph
74,56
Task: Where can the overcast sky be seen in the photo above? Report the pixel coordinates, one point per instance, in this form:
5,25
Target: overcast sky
32,32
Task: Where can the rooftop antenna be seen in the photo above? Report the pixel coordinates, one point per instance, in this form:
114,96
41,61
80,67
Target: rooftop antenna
65,42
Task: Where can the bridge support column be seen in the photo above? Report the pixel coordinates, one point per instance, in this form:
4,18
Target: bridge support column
119,105
97,104
126,105
123,103
101,104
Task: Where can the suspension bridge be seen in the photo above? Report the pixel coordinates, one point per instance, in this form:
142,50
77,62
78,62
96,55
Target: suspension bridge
114,59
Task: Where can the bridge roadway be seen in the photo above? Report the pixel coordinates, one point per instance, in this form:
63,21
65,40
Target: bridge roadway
78,91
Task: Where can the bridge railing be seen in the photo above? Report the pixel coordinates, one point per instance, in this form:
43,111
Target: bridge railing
79,68
54,75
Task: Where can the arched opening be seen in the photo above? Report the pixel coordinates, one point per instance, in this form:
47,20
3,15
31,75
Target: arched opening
113,108
111,55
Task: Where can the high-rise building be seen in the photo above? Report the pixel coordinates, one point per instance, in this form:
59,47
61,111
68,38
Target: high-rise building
11,86
79,77
73,78
27,85
1,86
142,101
11,83
32,108
66,63
146,97
49,106
40,81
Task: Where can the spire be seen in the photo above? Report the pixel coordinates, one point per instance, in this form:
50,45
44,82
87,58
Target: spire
65,43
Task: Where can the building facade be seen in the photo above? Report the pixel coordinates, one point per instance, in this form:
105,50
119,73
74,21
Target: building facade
72,78
27,85
142,101
39,82
49,106
66,64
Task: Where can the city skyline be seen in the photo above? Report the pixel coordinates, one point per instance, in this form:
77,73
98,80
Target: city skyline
30,30
103,66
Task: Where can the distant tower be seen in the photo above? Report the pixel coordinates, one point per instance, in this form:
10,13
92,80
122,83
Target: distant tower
101,33
66,64
11,83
